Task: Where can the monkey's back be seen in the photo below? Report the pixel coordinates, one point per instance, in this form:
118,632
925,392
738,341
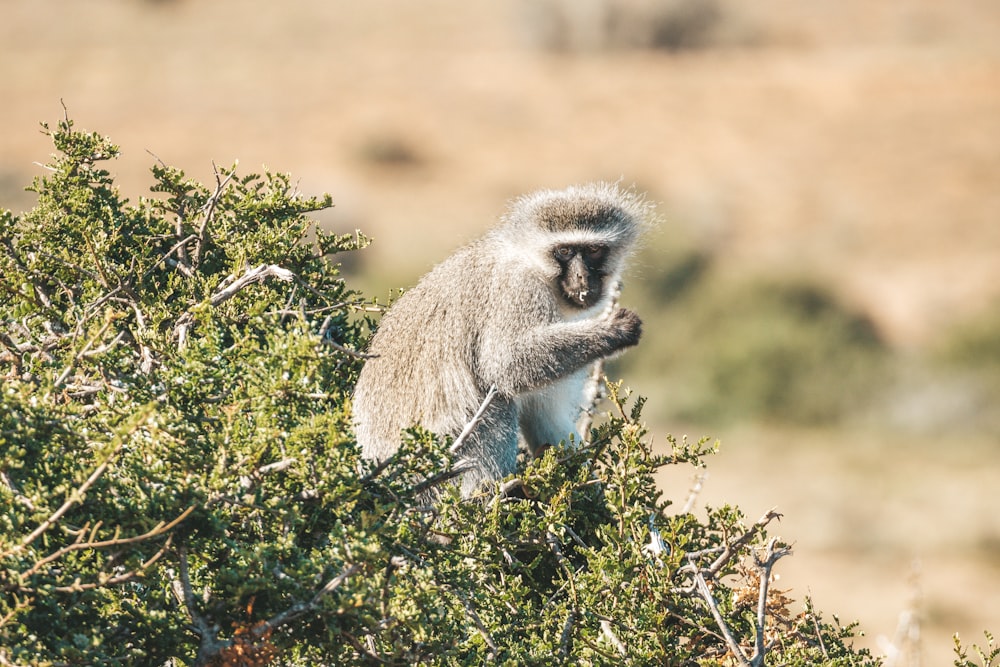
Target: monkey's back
428,345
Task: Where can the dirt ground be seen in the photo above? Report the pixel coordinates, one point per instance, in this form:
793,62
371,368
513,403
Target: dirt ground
855,142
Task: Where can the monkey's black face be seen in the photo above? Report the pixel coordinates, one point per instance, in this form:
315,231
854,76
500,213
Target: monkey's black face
581,272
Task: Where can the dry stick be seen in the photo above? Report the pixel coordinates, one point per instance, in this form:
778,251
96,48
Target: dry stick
232,286
157,530
764,572
474,422
713,607
699,482
302,608
209,208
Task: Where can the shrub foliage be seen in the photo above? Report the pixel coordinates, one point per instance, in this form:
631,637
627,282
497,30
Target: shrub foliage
180,484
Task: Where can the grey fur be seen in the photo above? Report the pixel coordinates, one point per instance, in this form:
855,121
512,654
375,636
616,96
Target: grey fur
493,314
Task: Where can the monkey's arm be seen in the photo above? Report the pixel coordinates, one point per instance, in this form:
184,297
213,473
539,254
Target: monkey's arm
547,353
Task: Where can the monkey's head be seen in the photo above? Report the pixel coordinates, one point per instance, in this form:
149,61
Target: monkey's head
580,236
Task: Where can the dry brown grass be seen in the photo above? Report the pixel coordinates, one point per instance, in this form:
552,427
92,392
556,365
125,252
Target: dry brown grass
853,141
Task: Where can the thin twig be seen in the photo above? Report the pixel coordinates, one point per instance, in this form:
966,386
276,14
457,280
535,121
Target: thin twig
157,530
77,494
301,608
474,422
209,209
699,482
610,635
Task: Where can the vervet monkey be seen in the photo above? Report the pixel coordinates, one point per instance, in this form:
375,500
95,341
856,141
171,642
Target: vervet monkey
527,308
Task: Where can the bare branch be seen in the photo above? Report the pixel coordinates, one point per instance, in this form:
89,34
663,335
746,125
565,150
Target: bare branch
228,288
253,275
732,548
610,635
157,530
302,608
209,212
699,483
764,567
474,422
713,607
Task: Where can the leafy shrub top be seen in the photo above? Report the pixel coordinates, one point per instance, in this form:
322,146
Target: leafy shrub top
180,483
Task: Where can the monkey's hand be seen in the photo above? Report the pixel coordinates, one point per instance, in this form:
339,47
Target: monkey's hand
625,328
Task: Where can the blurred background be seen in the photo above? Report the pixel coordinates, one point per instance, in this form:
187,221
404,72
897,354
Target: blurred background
823,294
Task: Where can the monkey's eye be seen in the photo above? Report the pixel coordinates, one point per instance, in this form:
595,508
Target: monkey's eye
564,252
596,253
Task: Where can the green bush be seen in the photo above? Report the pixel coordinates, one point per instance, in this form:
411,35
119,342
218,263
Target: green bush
763,349
180,484
968,354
